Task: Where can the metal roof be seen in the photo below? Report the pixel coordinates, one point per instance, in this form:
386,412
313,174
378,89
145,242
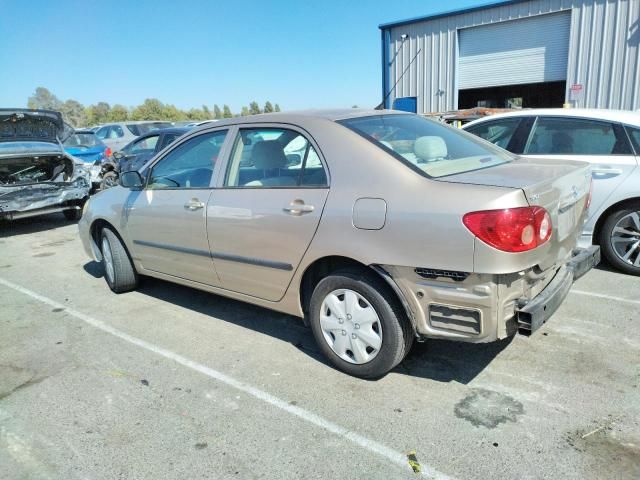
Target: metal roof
450,13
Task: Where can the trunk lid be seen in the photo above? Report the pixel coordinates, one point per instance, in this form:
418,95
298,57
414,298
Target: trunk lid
24,125
561,187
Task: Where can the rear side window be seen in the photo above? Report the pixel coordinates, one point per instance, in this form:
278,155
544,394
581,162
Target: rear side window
146,145
274,158
575,136
634,134
498,132
168,138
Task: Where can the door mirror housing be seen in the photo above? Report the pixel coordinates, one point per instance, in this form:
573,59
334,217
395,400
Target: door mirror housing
131,180
118,155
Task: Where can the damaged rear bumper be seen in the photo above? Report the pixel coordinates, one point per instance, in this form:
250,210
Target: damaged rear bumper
532,314
42,198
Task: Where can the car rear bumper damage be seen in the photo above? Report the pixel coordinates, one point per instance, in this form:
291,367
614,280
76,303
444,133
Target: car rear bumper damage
532,314
480,308
42,198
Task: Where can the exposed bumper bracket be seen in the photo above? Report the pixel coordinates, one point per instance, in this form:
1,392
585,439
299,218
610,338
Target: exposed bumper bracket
532,314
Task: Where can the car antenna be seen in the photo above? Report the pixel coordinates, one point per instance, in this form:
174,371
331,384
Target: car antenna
384,99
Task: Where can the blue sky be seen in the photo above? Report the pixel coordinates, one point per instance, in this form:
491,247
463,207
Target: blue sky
300,54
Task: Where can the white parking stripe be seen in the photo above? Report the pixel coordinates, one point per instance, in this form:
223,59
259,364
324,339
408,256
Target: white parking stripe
608,297
364,442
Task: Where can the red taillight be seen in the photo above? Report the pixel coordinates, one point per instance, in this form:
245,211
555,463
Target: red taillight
107,152
511,229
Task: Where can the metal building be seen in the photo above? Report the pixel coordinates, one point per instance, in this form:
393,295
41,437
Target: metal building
529,53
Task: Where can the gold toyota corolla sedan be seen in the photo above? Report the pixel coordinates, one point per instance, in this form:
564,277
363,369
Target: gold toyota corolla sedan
376,227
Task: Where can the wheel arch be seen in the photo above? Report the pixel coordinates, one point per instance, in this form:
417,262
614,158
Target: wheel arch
597,230
324,266
97,225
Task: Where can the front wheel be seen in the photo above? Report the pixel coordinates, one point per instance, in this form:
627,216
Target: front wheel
359,324
119,272
620,239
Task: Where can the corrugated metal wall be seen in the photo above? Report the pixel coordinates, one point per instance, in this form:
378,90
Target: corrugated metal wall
604,52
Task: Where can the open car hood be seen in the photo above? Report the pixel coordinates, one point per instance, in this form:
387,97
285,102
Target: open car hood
24,125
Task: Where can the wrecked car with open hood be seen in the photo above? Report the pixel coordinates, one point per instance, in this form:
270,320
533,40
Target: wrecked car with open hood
37,176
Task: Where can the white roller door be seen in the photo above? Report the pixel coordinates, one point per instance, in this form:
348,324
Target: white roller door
528,50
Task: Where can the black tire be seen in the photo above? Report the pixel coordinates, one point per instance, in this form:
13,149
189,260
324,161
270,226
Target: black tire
123,277
606,246
397,333
109,179
72,215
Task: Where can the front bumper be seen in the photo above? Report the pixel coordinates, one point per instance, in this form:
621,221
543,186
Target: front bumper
532,314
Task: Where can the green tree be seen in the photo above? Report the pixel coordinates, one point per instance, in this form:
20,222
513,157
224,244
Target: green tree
226,112
43,98
206,113
254,108
97,114
276,108
118,113
151,109
268,108
245,112
73,113
217,113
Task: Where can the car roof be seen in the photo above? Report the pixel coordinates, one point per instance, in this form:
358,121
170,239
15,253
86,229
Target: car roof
160,131
623,116
296,116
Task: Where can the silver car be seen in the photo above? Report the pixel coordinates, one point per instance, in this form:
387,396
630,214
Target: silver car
117,135
610,141
375,227
37,176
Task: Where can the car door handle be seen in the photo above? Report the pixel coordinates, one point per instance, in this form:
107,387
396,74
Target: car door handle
194,204
602,171
298,207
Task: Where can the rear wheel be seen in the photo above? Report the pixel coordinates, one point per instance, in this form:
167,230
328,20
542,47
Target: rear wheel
620,239
118,269
359,324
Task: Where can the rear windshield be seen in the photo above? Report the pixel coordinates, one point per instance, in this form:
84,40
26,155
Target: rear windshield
82,140
141,128
429,147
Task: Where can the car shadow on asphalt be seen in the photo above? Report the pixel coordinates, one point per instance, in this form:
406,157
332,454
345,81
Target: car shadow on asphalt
438,360
26,226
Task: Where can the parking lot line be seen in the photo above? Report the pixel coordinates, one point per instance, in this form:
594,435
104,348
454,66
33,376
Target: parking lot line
310,417
607,297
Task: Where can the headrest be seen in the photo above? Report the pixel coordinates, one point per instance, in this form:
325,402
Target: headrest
430,148
268,154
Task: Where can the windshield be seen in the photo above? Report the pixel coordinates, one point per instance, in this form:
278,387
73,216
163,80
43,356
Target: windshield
429,147
82,140
141,128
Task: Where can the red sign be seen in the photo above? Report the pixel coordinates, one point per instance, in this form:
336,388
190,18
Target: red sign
576,87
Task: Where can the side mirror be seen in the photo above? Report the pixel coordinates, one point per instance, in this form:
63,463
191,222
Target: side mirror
131,180
118,155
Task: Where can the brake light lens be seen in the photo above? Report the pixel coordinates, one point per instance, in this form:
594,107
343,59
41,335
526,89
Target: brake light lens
107,152
512,229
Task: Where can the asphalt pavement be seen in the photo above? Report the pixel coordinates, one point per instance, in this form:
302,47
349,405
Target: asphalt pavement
168,382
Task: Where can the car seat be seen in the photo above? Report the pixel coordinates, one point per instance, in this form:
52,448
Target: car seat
430,149
269,157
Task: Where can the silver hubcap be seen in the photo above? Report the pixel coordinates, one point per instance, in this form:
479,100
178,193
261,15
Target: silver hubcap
625,239
351,326
108,260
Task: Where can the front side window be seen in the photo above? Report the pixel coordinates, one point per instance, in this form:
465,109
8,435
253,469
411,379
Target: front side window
576,136
190,165
274,157
498,132
429,147
101,133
